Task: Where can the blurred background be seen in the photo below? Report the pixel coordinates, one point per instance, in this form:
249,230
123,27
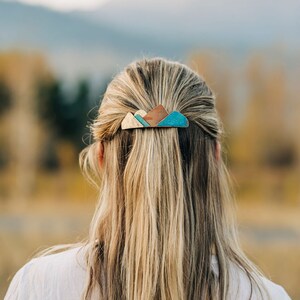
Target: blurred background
56,58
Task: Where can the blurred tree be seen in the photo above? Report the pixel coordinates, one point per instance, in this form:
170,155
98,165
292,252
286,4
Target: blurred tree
263,137
263,144
65,115
75,121
279,149
5,104
279,152
49,99
247,143
23,134
5,97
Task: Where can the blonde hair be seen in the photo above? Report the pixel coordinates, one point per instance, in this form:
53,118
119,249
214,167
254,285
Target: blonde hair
164,199
164,202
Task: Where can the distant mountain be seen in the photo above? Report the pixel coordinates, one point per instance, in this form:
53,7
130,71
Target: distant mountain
227,24
25,25
101,41
67,38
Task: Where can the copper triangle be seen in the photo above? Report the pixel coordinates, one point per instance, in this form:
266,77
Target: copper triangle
154,116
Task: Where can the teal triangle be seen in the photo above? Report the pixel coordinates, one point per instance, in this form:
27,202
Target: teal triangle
174,119
141,120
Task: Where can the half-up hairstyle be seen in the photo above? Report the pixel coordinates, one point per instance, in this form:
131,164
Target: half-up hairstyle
164,204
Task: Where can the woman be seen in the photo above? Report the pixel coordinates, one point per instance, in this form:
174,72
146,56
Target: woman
163,227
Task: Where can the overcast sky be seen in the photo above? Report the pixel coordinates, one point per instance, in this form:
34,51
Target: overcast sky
66,5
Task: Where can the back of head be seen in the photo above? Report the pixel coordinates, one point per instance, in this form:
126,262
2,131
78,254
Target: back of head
163,199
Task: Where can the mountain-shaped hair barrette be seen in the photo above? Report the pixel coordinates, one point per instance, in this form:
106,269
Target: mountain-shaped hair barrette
157,117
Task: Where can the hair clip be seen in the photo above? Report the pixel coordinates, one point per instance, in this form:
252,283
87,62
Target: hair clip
157,117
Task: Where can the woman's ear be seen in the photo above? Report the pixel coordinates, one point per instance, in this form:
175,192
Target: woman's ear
100,154
218,150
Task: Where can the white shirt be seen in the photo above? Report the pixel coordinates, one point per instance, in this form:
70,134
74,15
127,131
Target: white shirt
62,276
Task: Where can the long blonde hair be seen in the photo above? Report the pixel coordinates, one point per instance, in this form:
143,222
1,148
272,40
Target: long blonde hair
164,205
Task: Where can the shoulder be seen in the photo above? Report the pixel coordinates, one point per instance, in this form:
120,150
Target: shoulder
54,276
240,286
276,291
